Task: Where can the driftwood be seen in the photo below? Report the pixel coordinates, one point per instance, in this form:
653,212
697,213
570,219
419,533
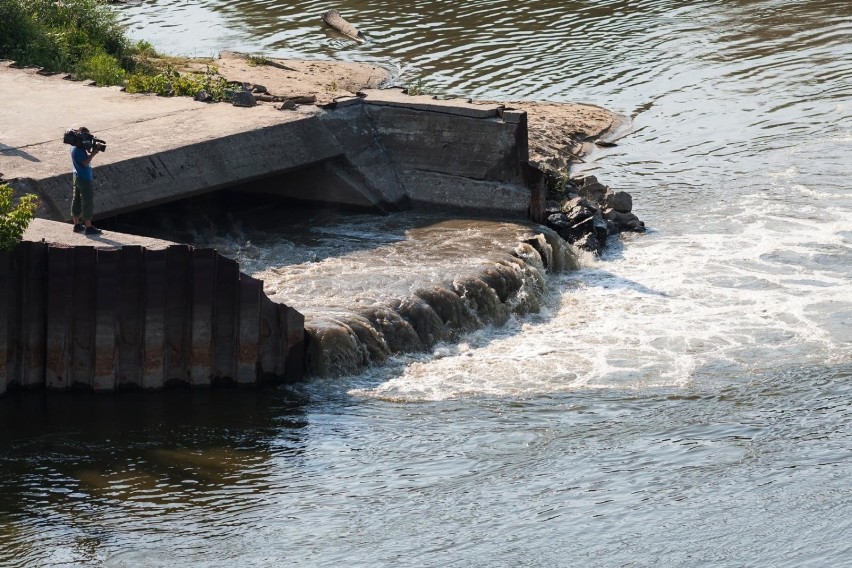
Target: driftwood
298,99
302,100
335,20
246,56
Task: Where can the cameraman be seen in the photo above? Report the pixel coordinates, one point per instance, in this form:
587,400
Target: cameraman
83,204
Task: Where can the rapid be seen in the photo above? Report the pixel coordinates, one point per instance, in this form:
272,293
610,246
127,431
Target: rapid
686,399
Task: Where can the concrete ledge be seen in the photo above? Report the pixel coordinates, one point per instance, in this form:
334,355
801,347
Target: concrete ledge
57,233
436,191
456,107
363,149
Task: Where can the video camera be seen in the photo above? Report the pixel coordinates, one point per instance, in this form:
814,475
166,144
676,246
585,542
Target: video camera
83,140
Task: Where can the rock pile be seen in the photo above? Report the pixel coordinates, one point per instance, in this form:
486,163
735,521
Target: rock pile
586,213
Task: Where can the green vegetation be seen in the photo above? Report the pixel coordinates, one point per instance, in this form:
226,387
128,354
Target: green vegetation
258,60
418,88
14,218
155,73
79,36
84,38
557,182
170,82
102,69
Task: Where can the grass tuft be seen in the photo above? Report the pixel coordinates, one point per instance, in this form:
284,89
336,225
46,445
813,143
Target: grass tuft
418,88
171,82
15,216
258,60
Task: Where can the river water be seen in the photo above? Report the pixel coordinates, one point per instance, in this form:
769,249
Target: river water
683,401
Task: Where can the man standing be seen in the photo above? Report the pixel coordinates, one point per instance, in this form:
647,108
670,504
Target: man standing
83,204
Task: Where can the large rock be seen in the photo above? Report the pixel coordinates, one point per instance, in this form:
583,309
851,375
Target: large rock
600,227
579,208
243,99
203,96
625,221
591,188
621,201
558,221
589,242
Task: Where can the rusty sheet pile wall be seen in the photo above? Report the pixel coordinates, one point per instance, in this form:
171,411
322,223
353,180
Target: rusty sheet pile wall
111,318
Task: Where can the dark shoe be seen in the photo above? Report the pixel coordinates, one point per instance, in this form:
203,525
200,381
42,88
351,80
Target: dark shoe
79,227
92,230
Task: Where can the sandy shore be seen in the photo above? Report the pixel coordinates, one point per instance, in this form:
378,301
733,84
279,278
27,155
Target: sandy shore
290,78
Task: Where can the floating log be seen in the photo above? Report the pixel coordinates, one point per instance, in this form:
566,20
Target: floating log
335,20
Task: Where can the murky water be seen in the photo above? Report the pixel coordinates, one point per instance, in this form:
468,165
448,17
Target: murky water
684,401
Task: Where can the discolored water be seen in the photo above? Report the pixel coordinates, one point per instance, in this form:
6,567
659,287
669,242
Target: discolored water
684,401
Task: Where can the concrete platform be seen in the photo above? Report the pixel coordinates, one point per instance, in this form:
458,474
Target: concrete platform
382,149
62,234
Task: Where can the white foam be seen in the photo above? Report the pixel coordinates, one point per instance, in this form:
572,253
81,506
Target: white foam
670,308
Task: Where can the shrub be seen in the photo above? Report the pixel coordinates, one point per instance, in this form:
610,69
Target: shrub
14,218
172,83
16,29
102,68
58,36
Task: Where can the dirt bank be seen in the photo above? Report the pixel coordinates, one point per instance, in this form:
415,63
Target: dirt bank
293,78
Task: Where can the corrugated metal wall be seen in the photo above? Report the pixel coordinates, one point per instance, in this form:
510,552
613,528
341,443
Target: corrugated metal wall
104,319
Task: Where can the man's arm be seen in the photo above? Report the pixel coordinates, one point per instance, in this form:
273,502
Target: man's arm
90,155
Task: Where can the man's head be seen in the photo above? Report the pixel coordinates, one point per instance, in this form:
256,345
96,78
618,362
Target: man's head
84,130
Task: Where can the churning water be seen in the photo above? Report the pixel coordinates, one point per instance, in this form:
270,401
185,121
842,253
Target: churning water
683,401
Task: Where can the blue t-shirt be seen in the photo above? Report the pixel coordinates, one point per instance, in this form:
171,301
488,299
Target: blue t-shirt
78,156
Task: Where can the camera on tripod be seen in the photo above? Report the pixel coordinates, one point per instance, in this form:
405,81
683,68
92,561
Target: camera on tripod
83,140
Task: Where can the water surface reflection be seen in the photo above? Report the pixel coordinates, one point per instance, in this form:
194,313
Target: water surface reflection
80,472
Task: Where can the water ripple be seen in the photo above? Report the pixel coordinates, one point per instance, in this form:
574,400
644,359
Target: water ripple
684,402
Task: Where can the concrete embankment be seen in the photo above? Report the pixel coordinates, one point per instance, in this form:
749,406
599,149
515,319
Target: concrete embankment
108,314
384,150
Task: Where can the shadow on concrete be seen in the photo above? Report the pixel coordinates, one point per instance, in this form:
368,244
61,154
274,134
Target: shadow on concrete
232,220
234,217
17,153
103,239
